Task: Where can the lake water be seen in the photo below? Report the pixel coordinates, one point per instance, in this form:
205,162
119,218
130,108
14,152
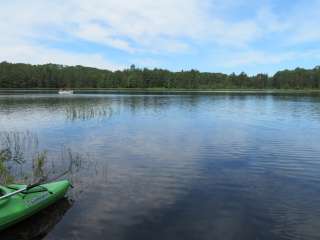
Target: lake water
190,166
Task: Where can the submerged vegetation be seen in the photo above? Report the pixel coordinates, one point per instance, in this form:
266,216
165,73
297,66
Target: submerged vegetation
38,165
15,149
5,176
22,161
60,76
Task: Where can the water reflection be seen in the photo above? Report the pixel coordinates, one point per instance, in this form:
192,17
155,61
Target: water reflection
87,112
91,107
223,166
23,161
21,158
39,225
72,108
14,148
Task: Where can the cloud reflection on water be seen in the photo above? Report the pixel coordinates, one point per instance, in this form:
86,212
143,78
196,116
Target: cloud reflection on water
184,166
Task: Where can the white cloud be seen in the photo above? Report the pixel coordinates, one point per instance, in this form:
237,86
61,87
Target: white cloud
142,25
152,28
24,25
254,57
145,22
251,58
95,33
41,55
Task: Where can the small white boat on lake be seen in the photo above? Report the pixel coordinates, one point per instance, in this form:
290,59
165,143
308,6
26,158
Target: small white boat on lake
65,92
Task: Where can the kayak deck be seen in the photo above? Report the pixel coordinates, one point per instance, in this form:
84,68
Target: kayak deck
27,203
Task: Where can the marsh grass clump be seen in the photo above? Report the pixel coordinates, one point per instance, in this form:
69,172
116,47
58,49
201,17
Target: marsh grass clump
5,177
38,164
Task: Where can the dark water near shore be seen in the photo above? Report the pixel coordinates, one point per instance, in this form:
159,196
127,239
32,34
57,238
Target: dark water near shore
215,166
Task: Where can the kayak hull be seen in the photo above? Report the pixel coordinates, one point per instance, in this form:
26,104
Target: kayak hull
24,205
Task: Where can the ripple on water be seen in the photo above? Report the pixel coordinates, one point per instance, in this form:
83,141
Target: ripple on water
224,166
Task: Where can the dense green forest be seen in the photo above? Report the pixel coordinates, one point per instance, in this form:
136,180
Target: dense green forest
60,76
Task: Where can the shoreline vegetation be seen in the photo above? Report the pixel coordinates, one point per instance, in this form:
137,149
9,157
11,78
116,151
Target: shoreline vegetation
50,77
154,90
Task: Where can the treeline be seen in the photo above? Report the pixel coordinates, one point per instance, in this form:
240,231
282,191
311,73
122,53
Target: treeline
60,76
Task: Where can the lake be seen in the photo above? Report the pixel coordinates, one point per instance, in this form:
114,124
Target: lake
168,166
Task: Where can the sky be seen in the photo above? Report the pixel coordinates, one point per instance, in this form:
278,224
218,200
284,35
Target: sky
261,36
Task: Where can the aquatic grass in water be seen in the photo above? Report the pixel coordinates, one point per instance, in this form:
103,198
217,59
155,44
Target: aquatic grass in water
22,161
5,177
38,166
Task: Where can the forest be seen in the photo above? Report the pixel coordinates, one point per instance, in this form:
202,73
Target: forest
19,75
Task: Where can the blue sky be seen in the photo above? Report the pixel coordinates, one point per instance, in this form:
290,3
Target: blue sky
208,35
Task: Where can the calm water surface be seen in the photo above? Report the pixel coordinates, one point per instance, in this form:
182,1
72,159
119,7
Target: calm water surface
220,166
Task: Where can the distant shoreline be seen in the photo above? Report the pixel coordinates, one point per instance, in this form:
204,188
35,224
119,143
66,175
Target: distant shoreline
53,76
157,90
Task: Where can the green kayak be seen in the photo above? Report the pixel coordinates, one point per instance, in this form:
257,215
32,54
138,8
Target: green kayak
17,203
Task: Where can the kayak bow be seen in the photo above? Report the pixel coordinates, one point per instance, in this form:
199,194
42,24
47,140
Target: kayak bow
18,202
